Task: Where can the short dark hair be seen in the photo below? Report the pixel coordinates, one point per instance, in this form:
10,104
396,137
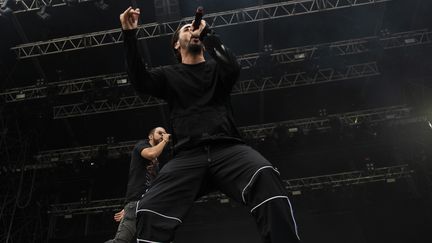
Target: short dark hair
174,40
152,131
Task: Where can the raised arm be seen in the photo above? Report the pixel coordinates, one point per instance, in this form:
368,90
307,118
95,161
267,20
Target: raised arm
145,81
152,153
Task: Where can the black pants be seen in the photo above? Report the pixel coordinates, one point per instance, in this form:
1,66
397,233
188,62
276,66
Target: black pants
127,226
236,170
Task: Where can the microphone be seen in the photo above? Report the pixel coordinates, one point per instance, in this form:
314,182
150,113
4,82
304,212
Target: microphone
198,17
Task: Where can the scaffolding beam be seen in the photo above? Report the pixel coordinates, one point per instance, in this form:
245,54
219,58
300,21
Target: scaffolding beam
349,178
287,80
34,5
246,61
388,174
50,158
372,116
215,20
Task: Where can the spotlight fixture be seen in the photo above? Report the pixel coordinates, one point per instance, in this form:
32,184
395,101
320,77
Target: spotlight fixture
410,41
122,81
300,56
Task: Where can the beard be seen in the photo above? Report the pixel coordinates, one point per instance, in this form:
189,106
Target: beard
157,141
194,49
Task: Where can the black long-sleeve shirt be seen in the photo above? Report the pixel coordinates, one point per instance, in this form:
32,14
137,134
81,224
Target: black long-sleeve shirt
198,95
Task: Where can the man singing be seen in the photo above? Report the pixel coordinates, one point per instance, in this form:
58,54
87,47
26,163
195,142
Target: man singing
208,147
146,158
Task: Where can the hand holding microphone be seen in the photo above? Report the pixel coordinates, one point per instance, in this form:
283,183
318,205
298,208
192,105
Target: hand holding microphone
198,17
198,24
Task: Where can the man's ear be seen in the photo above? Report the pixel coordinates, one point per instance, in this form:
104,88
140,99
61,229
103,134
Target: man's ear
177,45
150,137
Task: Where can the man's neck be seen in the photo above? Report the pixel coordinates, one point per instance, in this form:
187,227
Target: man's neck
152,143
188,58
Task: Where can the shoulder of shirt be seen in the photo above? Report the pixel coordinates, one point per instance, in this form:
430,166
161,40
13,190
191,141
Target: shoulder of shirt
141,143
175,66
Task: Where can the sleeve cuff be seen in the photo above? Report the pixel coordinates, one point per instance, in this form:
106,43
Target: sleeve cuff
129,34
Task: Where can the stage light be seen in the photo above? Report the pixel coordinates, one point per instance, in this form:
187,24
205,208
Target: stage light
356,120
110,140
293,130
429,123
384,33
224,200
296,193
122,81
268,48
322,112
300,56
410,41
20,96
370,167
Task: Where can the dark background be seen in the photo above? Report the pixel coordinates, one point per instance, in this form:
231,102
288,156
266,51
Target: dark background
397,212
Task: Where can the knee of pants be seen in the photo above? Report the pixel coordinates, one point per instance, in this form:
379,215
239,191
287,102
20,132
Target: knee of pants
263,185
155,227
269,203
275,219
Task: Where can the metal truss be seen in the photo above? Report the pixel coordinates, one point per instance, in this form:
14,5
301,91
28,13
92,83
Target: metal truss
394,113
323,123
388,174
67,87
343,48
247,61
290,80
51,157
408,38
104,106
32,5
287,80
92,207
215,20
295,186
